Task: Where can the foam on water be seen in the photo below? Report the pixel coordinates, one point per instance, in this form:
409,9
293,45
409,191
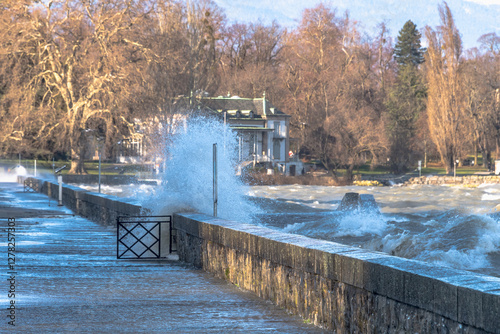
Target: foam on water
453,239
450,226
188,179
361,223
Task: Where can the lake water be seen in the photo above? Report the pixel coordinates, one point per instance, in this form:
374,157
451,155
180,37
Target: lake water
457,227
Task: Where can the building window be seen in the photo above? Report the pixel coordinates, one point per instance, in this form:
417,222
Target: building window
277,128
277,149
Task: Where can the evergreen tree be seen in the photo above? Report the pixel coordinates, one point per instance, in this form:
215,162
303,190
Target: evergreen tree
406,99
408,50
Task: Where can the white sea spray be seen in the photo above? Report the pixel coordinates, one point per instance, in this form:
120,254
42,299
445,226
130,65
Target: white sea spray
188,179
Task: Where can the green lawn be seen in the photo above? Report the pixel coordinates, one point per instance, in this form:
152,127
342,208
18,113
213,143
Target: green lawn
430,170
108,168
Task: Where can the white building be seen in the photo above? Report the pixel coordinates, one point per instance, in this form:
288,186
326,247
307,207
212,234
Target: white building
263,129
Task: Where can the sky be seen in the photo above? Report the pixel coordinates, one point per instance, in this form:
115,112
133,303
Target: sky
472,17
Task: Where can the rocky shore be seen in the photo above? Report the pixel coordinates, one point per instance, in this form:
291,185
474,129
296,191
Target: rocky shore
467,180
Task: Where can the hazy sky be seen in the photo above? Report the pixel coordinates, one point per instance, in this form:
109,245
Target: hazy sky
472,17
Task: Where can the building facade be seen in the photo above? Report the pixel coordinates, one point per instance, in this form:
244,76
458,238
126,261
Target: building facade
263,129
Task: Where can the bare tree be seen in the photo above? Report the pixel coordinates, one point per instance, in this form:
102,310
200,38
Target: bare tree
85,58
250,60
334,91
445,107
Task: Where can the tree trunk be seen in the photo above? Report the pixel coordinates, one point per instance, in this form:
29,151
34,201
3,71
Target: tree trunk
497,151
78,149
449,164
77,163
349,173
475,153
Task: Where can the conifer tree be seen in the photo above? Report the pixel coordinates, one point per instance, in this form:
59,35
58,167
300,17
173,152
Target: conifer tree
405,100
408,50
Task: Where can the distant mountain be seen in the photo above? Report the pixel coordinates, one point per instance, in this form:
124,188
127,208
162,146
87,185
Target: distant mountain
473,17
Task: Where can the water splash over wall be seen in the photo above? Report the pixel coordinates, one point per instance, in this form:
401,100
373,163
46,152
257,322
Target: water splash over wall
188,180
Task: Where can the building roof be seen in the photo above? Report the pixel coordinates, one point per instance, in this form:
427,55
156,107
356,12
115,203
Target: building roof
244,105
235,107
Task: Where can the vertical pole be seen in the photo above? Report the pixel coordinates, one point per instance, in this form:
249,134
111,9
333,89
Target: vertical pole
117,237
425,153
99,171
254,150
225,124
454,171
35,167
59,180
215,178
240,144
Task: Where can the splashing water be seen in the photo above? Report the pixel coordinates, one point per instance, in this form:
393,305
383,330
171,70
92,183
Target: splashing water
188,179
10,175
448,226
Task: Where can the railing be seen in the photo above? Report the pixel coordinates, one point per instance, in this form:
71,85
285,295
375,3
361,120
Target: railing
31,186
142,237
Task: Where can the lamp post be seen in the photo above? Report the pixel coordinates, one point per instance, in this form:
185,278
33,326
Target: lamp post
455,170
59,181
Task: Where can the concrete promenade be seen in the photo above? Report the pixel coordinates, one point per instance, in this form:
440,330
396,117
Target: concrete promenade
66,279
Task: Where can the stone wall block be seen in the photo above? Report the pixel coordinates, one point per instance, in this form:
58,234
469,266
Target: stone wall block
491,311
386,279
419,291
445,299
470,307
352,270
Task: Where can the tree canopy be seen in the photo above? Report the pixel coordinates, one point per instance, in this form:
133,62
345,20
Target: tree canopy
77,71
408,49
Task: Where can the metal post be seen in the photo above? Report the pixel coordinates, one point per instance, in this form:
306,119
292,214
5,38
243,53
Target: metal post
59,180
99,171
240,144
254,151
215,178
225,124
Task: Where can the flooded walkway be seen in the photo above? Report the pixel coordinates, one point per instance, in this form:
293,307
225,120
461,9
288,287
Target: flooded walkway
67,280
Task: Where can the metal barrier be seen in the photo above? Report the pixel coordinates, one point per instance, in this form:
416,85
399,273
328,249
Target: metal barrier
140,237
31,186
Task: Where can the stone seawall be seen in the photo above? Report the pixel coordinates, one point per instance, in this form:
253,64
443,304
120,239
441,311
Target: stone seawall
341,288
101,208
460,180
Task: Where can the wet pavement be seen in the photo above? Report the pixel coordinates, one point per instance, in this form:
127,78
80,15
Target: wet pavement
66,279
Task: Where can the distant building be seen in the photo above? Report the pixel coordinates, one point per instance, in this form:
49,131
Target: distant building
262,128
